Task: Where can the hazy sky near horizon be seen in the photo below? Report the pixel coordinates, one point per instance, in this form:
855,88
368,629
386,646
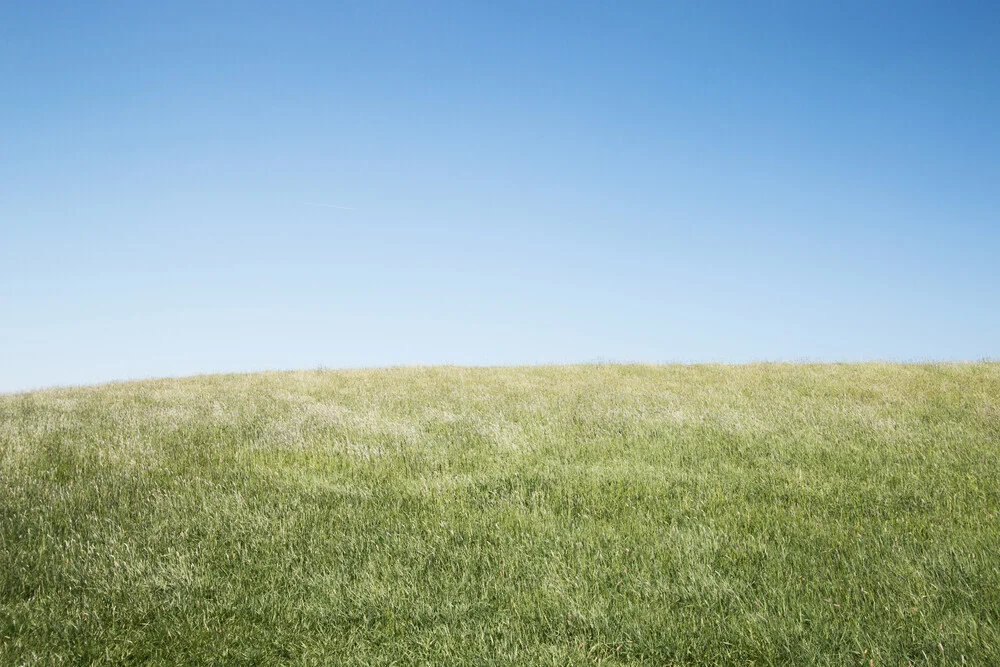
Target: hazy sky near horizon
191,187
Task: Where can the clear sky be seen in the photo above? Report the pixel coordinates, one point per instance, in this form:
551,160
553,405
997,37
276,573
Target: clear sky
191,187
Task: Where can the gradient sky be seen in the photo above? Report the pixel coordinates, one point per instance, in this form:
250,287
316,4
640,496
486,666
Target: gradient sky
191,187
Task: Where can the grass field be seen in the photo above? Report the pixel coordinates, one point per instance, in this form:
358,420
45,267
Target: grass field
761,514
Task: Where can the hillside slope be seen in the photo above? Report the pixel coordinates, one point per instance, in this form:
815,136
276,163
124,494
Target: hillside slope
810,514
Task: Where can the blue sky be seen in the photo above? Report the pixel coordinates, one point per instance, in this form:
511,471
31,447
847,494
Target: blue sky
520,182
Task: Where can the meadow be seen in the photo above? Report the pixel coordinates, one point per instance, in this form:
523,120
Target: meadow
760,514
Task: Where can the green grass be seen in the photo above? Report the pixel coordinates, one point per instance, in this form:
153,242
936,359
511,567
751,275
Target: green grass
761,514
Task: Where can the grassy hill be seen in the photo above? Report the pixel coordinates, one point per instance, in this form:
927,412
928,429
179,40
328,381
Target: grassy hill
761,514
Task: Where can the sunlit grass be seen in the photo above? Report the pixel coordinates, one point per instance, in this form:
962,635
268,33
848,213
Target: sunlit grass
762,514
